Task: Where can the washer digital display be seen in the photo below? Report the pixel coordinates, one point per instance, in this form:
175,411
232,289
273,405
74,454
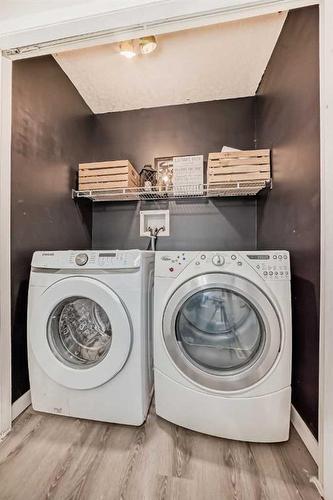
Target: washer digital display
258,257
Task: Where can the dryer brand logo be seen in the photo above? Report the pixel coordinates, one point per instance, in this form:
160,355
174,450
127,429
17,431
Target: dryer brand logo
48,254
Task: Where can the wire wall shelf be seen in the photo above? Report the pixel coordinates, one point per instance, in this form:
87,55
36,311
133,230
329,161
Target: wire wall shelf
221,190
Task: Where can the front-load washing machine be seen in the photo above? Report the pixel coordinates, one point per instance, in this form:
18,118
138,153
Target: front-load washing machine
89,323
222,342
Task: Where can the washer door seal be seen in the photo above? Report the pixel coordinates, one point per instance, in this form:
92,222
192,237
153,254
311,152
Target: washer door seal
222,331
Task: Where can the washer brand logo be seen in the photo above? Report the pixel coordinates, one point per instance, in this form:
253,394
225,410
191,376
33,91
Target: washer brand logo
48,254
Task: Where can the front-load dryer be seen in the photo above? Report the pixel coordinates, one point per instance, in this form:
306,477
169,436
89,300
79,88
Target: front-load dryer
222,342
89,323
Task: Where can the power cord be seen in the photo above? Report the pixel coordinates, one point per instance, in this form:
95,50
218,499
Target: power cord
153,237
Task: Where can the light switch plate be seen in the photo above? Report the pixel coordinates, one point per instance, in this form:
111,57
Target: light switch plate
154,219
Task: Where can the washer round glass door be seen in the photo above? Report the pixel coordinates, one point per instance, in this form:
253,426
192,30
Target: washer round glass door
80,332
222,331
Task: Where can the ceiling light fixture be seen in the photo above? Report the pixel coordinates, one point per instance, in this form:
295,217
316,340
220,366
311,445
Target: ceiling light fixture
127,49
147,44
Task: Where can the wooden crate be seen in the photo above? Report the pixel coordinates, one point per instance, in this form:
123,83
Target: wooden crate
235,166
107,175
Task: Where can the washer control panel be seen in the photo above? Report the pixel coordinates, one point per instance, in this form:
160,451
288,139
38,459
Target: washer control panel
113,259
105,259
81,259
89,259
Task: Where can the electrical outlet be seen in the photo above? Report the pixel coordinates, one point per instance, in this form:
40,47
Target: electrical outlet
154,219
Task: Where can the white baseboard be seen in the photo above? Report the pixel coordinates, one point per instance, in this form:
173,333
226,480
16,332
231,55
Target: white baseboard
21,404
305,434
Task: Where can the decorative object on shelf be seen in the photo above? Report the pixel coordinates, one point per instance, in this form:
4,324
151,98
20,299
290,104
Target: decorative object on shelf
107,175
180,172
164,168
188,175
148,178
228,168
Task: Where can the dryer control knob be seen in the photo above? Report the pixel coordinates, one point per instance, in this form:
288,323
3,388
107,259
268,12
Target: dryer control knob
218,260
81,259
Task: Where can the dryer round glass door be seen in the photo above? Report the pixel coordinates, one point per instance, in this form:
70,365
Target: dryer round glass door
80,332
222,331
219,330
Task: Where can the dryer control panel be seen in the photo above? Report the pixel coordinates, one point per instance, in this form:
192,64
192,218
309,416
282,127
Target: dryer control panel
175,262
270,265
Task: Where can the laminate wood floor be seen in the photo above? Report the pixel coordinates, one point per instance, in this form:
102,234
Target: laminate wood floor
54,457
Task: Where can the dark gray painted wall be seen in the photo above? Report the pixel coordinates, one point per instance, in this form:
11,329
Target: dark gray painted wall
143,135
51,132
288,122
209,225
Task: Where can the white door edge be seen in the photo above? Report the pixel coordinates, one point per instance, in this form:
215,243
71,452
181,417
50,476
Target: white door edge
21,404
305,434
5,238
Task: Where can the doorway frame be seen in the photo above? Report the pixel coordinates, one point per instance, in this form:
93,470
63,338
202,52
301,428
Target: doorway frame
5,244
154,18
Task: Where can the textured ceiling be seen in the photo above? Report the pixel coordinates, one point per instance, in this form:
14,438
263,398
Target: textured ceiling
216,62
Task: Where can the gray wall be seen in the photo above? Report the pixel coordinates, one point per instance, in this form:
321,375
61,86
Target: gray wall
51,133
143,135
209,225
288,122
